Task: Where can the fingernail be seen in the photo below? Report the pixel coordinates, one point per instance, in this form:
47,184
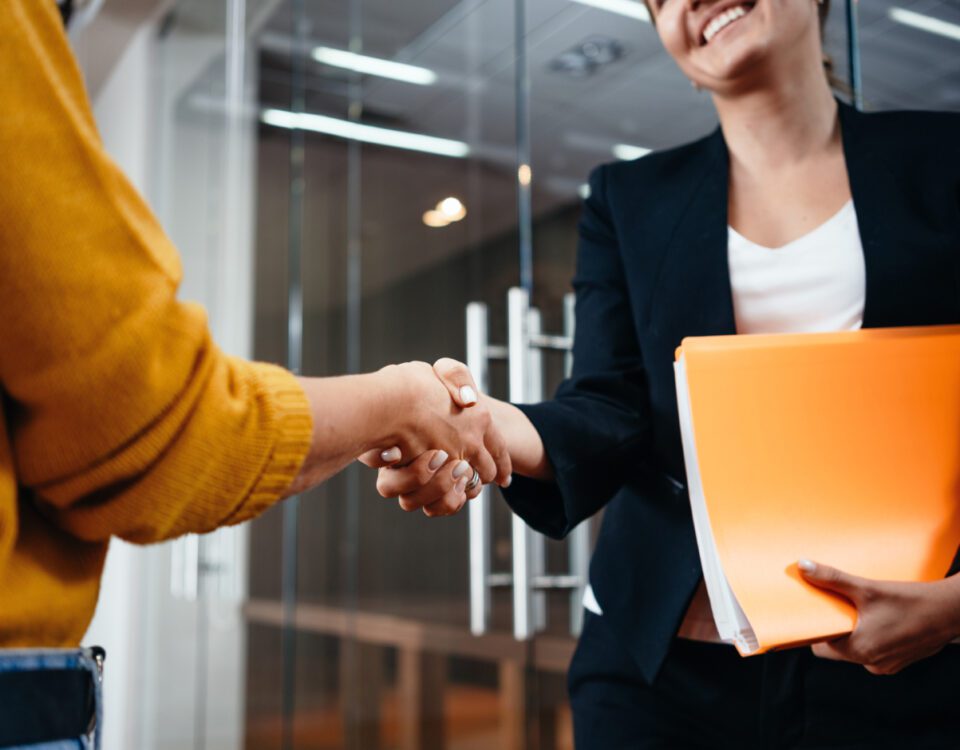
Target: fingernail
438,460
468,395
460,469
807,566
391,455
461,485
508,482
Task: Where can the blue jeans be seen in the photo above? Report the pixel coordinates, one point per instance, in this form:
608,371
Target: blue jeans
82,660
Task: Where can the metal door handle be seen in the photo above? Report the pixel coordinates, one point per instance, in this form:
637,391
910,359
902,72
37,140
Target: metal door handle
479,510
524,351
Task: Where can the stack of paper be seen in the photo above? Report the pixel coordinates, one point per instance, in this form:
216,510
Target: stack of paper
841,447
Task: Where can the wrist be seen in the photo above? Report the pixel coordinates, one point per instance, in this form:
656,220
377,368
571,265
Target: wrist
951,606
387,392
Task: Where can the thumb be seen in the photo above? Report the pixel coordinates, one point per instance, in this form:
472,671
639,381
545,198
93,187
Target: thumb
832,579
457,379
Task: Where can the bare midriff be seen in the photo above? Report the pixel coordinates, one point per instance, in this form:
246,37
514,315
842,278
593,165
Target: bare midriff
697,624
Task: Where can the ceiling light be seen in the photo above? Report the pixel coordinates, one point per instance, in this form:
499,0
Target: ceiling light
374,66
925,23
629,8
435,219
452,208
524,174
354,131
627,152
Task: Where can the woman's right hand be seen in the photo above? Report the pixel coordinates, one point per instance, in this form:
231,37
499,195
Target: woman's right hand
434,483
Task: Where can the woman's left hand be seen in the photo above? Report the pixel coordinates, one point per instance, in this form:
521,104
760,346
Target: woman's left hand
898,623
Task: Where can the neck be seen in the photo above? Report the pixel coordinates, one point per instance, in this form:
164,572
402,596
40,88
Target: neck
786,120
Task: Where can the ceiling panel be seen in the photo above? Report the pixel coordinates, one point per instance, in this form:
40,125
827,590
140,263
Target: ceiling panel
642,99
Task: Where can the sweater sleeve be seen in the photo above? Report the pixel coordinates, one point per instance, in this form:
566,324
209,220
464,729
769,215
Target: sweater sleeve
125,419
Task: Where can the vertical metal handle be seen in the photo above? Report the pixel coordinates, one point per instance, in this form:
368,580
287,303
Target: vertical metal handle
479,507
533,394
526,343
518,307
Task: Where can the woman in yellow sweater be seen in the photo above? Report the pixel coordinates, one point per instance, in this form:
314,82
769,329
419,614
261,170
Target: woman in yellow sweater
118,414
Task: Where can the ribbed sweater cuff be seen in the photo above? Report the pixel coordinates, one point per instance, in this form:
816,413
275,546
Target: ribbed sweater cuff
293,425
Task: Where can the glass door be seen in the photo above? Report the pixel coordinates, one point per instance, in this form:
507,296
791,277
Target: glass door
420,169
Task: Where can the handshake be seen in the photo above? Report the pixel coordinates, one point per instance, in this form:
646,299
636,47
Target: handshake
446,444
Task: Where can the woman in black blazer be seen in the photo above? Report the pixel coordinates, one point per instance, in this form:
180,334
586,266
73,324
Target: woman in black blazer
652,268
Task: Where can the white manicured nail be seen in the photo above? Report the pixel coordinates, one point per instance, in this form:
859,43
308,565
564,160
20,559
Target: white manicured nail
460,469
508,482
391,455
438,460
468,395
807,566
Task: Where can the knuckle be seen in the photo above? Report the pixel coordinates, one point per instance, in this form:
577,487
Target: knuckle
423,474
407,505
829,575
448,367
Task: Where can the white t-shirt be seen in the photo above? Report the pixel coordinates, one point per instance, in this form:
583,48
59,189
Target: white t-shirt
816,283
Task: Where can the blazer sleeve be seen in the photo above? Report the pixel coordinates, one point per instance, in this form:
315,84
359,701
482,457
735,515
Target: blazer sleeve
598,422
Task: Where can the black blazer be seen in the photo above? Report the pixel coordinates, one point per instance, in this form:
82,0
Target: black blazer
652,269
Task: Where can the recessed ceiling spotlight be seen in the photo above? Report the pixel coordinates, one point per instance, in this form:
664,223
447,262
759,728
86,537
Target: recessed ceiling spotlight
452,208
524,174
588,57
435,219
447,211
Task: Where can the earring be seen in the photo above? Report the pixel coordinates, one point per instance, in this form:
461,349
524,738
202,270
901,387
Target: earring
695,85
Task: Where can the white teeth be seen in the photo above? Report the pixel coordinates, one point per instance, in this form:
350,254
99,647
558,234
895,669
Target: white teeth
723,20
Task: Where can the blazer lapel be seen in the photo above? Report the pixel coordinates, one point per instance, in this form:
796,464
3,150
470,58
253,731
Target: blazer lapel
911,274
693,295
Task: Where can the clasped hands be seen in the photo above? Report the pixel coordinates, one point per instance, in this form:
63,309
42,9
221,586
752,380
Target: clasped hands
447,446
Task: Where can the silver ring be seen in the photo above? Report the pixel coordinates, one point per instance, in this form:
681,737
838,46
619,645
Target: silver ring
472,484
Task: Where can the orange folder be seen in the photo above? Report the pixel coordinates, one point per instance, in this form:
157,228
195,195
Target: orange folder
840,447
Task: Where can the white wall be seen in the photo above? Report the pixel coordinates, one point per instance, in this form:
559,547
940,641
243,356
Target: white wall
174,676
122,110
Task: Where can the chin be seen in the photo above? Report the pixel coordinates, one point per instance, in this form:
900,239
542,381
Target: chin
736,62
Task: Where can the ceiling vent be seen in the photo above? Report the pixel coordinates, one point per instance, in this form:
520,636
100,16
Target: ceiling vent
588,58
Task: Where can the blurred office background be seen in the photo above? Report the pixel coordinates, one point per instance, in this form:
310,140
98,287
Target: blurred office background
342,178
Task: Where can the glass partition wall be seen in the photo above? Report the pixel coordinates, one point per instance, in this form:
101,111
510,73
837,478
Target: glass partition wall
408,159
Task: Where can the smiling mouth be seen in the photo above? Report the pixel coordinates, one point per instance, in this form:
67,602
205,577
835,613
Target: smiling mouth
727,18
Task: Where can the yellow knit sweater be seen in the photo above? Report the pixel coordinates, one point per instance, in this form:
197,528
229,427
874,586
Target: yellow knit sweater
118,414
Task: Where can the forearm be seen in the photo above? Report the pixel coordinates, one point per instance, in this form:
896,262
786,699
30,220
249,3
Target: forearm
351,414
523,441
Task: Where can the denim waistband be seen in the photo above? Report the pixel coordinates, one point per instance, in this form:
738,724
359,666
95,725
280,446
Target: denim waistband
36,660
